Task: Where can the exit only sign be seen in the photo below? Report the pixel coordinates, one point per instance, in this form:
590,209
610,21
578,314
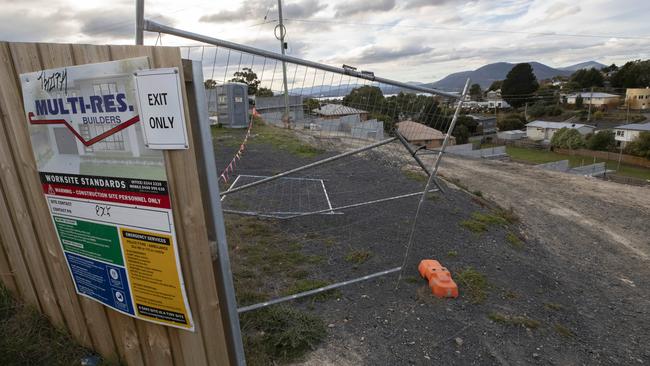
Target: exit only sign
160,104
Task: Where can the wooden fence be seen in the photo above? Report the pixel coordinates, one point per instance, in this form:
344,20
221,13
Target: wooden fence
32,264
606,155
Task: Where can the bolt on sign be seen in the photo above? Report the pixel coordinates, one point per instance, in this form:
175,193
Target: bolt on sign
106,191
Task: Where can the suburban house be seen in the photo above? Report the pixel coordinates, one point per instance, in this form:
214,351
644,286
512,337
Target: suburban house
597,99
494,99
421,135
486,125
544,130
627,133
271,109
637,98
333,111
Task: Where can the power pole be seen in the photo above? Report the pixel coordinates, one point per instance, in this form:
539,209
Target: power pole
284,67
139,22
591,101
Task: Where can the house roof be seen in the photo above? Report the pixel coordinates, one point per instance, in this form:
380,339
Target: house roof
556,125
337,110
635,127
595,94
413,131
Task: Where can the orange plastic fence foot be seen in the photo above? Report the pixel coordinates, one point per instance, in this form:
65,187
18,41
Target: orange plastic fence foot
439,278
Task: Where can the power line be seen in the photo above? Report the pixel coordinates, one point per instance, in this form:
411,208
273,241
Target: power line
542,34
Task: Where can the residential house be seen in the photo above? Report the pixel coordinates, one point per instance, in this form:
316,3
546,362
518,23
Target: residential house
627,133
421,135
495,100
334,111
637,98
596,99
544,130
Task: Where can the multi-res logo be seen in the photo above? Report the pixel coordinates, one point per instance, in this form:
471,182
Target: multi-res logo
110,103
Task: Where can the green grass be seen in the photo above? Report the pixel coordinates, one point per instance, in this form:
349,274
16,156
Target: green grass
28,338
265,134
541,156
514,320
481,221
358,256
307,284
473,284
415,175
268,263
452,254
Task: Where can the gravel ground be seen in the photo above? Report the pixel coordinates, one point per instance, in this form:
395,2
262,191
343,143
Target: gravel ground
580,275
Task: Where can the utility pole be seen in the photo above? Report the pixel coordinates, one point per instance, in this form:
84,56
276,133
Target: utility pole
591,101
139,22
286,118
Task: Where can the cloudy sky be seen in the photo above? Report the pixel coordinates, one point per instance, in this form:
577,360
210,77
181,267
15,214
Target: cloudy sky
409,40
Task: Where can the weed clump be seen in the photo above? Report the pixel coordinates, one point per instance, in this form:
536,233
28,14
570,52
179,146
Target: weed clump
358,256
452,254
279,334
514,240
563,331
474,284
514,320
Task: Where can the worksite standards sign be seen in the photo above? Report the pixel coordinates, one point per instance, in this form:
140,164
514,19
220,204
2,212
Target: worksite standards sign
107,193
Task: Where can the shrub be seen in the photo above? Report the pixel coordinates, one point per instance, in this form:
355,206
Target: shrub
567,138
553,110
537,110
511,122
640,146
598,115
602,140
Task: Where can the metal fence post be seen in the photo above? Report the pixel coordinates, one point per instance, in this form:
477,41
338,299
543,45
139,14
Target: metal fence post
225,287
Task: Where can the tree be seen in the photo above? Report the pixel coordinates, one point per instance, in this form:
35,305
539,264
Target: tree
579,101
364,97
519,85
264,92
475,92
311,104
567,138
496,85
588,78
249,77
634,74
603,140
464,128
210,84
610,68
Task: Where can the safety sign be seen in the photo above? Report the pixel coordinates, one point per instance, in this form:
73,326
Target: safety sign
106,191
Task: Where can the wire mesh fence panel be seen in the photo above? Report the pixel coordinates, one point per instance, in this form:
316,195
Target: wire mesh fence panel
331,166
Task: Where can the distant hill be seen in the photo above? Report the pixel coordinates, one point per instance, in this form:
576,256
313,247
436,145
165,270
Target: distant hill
583,65
485,75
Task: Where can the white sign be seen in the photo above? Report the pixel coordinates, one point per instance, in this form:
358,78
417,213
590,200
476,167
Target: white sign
160,102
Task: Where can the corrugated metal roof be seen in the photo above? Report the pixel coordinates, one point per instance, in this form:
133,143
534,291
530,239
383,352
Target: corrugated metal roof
635,127
556,125
413,131
337,110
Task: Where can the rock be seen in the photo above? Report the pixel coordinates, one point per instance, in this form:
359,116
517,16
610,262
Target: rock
459,341
331,325
535,355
